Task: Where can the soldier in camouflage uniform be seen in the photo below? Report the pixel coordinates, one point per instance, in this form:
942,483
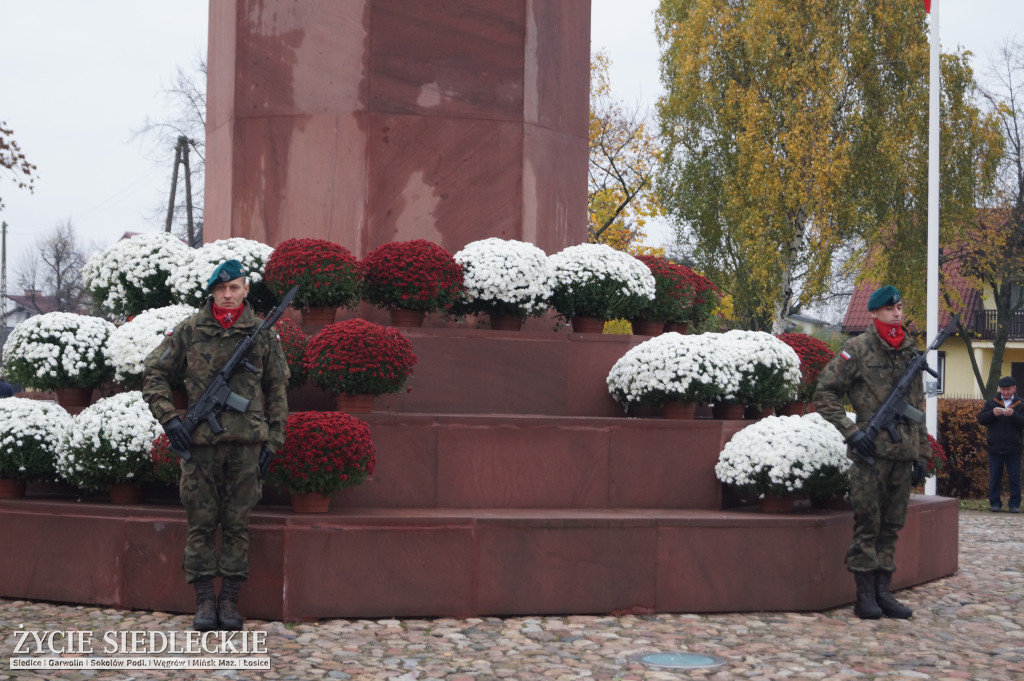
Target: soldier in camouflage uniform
223,480
867,369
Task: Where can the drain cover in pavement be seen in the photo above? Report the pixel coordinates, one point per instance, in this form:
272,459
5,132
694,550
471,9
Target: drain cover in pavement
680,660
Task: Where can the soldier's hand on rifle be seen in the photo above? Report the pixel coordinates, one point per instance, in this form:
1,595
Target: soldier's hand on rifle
862,444
179,438
266,456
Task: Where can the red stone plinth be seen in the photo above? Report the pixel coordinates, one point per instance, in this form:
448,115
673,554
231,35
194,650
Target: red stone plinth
354,563
368,121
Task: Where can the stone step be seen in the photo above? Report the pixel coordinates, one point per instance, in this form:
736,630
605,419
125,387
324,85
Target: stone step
479,371
511,461
374,563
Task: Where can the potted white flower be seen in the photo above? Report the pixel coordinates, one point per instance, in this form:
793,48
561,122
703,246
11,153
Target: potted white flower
596,282
30,431
59,351
107,447
507,279
674,368
188,281
130,343
131,275
769,368
780,457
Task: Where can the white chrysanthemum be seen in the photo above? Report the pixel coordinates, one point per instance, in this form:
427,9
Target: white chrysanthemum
507,275
130,344
109,442
30,431
597,280
58,349
769,367
188,281
780,453
673,366
131,275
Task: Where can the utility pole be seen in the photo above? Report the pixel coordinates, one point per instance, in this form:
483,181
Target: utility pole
3,280
181,158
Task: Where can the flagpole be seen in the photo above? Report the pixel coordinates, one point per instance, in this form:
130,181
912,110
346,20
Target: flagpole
934,89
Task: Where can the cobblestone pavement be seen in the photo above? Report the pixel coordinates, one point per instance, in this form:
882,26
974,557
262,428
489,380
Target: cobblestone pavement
968,626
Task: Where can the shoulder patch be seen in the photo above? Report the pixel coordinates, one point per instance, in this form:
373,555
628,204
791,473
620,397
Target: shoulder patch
169,332
845,355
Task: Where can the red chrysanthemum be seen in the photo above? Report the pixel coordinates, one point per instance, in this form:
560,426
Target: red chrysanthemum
412,275
323,451
359,357
327,274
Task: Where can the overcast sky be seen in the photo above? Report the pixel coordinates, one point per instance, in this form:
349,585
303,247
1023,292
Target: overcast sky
79,78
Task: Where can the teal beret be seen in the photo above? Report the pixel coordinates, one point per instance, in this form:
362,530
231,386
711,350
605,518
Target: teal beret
225,272
887,295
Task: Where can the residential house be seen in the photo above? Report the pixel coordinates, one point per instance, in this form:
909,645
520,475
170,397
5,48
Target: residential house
954,364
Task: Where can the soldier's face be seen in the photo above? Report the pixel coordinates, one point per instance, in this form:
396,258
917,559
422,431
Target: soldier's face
230,294
889,314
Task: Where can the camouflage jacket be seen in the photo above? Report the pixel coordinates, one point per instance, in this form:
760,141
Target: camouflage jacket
867,369
201,346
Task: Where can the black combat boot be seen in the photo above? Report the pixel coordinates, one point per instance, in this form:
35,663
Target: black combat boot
227,606
886,601
866,608
206,606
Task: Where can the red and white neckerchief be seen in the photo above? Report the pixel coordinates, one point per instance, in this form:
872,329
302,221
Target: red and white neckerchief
226,316
891,333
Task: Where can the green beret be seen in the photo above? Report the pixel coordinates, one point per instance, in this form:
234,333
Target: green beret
225,272
887,295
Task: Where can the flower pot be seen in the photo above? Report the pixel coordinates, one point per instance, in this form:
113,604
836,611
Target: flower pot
12,489
729,411
773,503
647,327
74,400
504,322
587,325
792,409
311,502
679,410
755,414
318,316
126,493
676,327
401,317
354,404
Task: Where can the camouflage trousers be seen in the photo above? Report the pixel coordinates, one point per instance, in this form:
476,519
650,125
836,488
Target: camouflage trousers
879,495
219,486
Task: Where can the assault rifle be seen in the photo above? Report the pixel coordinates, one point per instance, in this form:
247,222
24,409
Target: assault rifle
895,408
218,396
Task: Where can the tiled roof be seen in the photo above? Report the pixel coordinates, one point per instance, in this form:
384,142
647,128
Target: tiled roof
857,316
41,304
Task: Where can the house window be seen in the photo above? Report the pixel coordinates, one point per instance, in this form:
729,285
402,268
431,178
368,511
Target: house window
941,380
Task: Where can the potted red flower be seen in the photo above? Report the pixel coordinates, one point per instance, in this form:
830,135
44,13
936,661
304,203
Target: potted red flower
814,354
413,275
294,344
673,296
166,466
323,451
706,297
357,357
327,274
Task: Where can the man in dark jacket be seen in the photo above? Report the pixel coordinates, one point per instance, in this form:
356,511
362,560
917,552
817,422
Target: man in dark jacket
1004,418
222,481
